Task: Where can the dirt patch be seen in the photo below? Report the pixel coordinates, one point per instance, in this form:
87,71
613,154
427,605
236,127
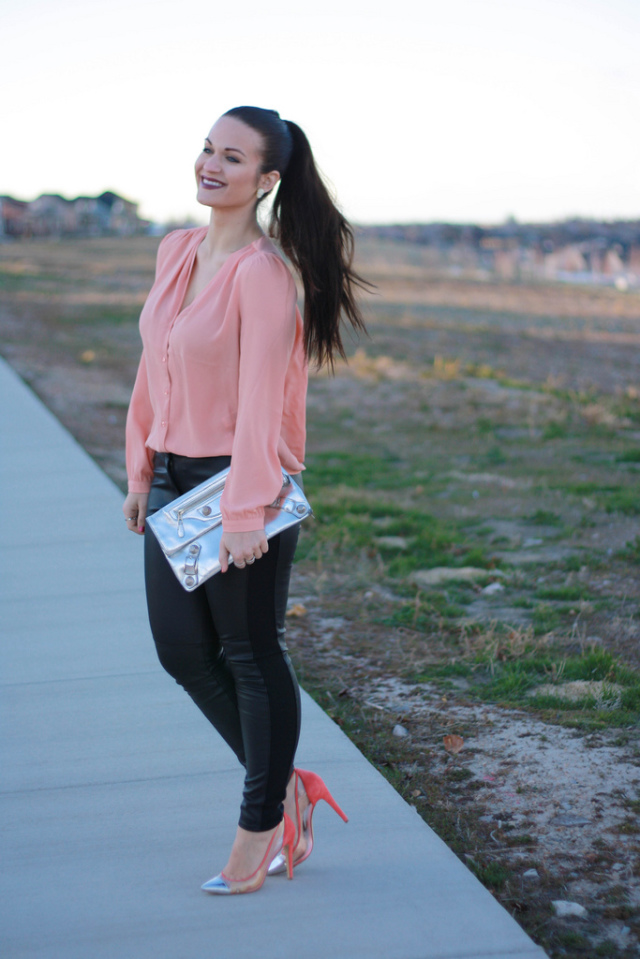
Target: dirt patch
549,813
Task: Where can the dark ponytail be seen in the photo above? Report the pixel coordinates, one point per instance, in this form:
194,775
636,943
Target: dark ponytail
312,233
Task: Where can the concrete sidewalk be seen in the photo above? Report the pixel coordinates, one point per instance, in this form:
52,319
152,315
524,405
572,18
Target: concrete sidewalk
118,800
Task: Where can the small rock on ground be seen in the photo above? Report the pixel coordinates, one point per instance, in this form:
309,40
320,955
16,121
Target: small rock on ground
563,908
400,731
443,574
493,588
393,542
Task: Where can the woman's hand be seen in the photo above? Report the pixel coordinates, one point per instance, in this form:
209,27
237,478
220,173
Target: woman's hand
245,548
135,510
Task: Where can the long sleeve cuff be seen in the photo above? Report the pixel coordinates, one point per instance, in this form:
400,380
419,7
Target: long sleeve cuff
250,520
139,486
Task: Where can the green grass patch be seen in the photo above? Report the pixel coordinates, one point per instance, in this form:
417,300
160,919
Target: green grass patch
358,471
521,839
112,315
625,501
544,517
628,409
631,552
493,457
459,774
555,431
573,940
354,507
491,874
484,425
562,593
629,456
587,488
424,613
612,498
506,677
545,618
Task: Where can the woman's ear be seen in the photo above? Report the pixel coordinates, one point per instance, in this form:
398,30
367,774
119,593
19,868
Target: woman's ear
268,181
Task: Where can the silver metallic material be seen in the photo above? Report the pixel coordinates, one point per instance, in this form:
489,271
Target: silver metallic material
218,886
189,529
278,865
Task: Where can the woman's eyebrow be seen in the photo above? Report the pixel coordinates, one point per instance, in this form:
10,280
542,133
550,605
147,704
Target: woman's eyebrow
227,149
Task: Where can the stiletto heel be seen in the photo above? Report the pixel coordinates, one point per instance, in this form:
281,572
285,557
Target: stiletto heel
315,790
281,842
288,839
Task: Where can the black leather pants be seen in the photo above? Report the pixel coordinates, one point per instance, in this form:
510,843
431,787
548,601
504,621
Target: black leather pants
224,643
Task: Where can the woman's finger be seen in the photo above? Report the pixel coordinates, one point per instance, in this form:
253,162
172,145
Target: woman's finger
134,509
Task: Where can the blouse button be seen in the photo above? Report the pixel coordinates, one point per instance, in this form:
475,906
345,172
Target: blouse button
166,392
163,423
164,359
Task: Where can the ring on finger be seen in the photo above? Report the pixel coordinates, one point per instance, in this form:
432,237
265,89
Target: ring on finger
251,561
240,565
130,519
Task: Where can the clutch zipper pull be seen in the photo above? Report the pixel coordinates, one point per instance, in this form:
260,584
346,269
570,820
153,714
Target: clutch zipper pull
180,524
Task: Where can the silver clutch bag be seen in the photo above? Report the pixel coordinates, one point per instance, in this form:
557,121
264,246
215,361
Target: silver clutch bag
189,528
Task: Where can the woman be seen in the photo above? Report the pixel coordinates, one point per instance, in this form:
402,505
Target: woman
222,381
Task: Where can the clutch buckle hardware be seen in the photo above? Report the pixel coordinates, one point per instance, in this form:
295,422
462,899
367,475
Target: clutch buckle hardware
191,565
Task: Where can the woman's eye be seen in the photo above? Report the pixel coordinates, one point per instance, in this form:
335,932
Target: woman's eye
233,159
206,149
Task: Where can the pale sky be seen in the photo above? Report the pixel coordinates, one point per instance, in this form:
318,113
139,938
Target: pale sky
463,110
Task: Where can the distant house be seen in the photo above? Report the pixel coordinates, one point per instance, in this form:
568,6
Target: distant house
13,217
92,216
612,265
123,214
567,259
634,261
53,215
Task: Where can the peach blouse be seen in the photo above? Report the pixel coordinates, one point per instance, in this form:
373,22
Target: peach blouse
226,375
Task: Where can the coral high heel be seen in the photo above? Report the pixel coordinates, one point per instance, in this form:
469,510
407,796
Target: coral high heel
315,790
280,846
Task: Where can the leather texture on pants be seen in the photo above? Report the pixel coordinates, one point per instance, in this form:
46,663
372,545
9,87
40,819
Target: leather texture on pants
225,644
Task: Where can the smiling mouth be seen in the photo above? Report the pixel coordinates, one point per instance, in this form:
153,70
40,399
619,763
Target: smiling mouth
210,184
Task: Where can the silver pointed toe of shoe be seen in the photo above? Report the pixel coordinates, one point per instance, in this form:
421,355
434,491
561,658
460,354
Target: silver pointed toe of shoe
218,886
278,865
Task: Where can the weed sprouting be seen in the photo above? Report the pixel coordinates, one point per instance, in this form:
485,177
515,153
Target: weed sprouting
561,593
629,456
631,552
544,517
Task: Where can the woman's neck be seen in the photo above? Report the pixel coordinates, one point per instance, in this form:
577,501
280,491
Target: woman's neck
229,232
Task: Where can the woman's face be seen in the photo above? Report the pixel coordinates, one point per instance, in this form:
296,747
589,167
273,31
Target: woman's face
228,169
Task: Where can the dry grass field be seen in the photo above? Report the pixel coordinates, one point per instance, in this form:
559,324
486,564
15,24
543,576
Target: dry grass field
466,601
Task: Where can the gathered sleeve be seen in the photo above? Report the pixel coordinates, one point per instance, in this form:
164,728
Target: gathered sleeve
139,419
139,458
267,302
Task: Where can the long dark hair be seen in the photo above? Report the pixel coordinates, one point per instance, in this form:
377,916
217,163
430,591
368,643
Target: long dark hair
312,232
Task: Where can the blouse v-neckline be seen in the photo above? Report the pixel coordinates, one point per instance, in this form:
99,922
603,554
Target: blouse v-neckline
221,269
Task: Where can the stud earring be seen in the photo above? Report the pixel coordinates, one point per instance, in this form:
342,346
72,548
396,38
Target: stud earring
261,193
